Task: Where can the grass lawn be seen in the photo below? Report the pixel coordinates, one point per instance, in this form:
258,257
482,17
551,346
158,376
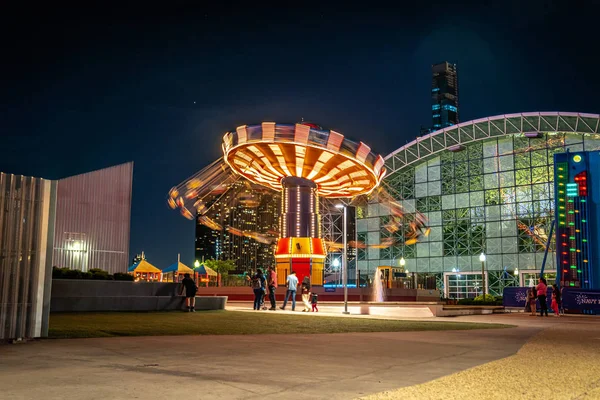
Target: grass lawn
86,325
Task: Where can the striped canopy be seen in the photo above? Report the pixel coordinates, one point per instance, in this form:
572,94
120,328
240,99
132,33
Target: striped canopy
143,266
204,270
179,268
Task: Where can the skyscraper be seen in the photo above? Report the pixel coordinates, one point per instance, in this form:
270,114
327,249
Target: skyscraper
247,208
206,242
444,95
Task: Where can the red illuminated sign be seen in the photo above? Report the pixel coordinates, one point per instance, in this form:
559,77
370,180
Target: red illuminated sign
581,179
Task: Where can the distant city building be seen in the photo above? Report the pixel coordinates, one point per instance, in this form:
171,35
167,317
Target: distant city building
247,208
424,131
444,96
268,220
206,242
80,222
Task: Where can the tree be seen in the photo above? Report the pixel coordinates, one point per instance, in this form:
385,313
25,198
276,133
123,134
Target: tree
220,266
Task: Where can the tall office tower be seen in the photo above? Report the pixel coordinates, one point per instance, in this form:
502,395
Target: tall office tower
247,208
206,242
268,221
237,210
444,95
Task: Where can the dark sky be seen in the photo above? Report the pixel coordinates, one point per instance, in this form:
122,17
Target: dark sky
86,89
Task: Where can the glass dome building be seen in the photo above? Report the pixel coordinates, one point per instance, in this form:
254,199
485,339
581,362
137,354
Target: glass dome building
486,186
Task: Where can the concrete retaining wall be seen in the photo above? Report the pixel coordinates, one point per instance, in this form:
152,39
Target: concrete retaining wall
70,295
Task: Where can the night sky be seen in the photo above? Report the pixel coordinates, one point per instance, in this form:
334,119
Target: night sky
86,89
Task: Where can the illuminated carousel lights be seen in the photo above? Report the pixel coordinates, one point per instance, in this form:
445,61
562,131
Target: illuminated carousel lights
303,255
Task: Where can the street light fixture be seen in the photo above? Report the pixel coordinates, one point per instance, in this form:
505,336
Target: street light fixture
345,258
197,264
482,259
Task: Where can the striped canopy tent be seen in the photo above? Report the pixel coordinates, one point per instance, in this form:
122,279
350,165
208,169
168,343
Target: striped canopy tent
179,268
173,271
205,274
143,270
202,269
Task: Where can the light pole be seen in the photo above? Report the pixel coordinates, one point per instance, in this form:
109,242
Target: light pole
345,259
482,259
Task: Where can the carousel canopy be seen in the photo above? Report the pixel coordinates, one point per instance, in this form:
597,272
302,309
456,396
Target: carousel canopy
143,266
179,268
204,270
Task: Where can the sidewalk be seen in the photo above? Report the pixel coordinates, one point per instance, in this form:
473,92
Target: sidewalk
291,366
512,318
561,362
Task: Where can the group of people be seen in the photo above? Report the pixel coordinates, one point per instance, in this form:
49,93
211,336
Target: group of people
261,283
539,292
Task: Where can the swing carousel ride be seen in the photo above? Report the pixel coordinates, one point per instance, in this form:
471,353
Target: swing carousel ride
310,167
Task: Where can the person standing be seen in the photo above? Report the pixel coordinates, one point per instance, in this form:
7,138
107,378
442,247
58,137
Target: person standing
531,298
190,288
314,299
555,301
292,285
272,283
258,285
306,293
542,288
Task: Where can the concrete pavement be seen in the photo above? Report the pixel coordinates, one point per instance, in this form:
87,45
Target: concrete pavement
561,362
336,366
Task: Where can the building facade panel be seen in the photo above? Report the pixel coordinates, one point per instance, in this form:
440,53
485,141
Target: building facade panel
93,214
25,211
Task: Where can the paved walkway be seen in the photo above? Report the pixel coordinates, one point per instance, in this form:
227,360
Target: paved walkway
338,366
561,362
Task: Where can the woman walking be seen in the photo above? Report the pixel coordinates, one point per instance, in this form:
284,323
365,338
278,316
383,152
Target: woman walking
542,288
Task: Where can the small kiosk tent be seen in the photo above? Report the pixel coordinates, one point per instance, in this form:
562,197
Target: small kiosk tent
175,272
144,271
205,275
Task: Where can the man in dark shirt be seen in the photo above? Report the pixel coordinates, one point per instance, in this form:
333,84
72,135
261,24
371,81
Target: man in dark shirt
190,292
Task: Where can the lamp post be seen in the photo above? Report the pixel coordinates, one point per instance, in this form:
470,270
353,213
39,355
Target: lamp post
345,259
482,259
197,264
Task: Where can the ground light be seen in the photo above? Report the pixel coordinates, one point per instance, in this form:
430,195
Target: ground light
345,258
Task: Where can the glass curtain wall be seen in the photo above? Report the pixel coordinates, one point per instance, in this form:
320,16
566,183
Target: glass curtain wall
493,196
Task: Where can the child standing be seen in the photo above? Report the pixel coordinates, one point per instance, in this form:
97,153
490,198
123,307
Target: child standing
531,301
314,299
555,300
